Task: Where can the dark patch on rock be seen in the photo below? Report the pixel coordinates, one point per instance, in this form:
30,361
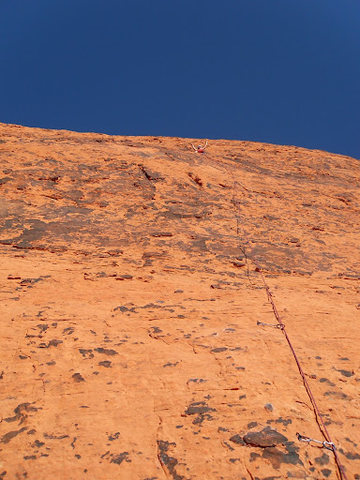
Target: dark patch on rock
252,424
326,472
4,180
78,377
21,413
266,438
55,437
219,350
284,421
340,395
121,308
200,409
325,380
106,351
234,460
166,461
30,457
196,380
254,456
197,408
196,179
105,363
68,331
229,446
38,444
124,277
277,457
10,435
346,373
86,353
114,436
352,456
32,281
119,458
150,175
51,343
238,439
170,364
323,460
161,234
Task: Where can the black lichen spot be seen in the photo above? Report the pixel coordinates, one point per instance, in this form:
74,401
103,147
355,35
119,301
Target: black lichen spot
30,457
106,351
169,364
325,380
86,353
55,437
352,456
346,373
124,277
78,377
229,446
52,343
253,456
38,444
167,461
198,408
326,472
105,363
252,424
21,413
218,350
114,436
323,460
277,457
10,435
119,458
237,439
121,308
68,330
284,421
340,395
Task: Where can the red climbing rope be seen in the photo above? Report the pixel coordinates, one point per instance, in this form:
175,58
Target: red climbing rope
318,416
281,326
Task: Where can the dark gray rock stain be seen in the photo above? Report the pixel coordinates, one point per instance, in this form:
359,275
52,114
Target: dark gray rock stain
169,463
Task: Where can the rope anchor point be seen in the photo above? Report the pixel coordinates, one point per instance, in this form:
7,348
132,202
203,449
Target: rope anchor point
325,444
280,326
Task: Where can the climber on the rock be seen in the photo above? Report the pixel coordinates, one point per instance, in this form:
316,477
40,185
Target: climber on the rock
200,148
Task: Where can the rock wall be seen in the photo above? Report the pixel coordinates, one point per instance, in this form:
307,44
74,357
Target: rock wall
131,343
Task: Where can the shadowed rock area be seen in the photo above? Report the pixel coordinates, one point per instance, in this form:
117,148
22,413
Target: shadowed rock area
135,342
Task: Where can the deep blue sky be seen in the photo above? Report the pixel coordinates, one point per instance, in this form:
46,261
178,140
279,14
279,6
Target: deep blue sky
278,71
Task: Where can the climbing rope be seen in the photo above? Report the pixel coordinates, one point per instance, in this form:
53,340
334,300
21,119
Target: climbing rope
327,443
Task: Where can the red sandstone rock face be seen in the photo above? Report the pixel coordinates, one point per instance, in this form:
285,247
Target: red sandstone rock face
130,306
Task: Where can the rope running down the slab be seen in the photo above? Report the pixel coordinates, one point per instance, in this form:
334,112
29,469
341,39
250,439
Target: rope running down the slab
281,326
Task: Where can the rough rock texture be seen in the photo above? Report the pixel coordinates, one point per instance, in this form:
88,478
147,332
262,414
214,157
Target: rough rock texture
130,306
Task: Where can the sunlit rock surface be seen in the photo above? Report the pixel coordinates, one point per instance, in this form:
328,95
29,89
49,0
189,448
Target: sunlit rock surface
130,306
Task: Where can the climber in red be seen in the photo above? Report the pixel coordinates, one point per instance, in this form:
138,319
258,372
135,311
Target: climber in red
200,148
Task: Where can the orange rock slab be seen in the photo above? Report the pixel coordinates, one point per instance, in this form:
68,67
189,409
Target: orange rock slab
131,301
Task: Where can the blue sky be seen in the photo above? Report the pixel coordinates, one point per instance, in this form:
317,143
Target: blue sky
278,71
